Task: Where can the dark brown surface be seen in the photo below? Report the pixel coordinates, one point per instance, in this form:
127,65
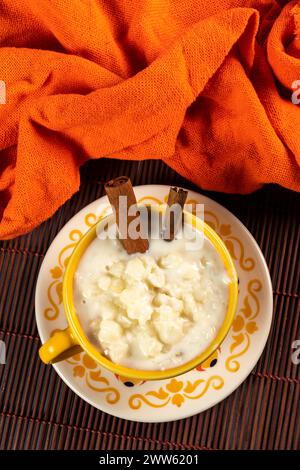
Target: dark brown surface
37,411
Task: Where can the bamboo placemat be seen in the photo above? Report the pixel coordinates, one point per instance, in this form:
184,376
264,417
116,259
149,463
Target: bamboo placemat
37,411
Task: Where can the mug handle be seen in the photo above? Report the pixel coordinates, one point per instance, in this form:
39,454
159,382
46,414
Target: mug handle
60,346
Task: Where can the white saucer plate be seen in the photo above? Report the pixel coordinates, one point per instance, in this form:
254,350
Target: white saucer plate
195,391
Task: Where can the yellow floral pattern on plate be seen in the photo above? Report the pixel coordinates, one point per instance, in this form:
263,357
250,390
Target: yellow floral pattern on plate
85,367
244,325
175,392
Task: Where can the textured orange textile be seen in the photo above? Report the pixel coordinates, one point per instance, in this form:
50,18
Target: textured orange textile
204,85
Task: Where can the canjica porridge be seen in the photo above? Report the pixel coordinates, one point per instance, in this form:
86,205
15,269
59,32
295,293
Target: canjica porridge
151,311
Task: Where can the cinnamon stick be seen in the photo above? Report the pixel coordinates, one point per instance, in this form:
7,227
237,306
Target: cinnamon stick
115,188
173,216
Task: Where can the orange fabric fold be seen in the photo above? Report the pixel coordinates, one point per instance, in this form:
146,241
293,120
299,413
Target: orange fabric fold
205,86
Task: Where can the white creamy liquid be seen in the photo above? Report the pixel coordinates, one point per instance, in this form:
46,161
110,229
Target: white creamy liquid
155,310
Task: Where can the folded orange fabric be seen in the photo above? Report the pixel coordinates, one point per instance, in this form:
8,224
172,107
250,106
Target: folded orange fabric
205,86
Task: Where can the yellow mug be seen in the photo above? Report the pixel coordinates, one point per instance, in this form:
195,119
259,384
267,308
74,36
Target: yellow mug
66,342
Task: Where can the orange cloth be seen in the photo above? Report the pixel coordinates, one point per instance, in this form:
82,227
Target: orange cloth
205,86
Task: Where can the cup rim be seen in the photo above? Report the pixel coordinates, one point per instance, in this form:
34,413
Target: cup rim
94,353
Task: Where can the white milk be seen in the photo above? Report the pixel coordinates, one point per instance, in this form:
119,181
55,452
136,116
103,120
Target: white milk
155,310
